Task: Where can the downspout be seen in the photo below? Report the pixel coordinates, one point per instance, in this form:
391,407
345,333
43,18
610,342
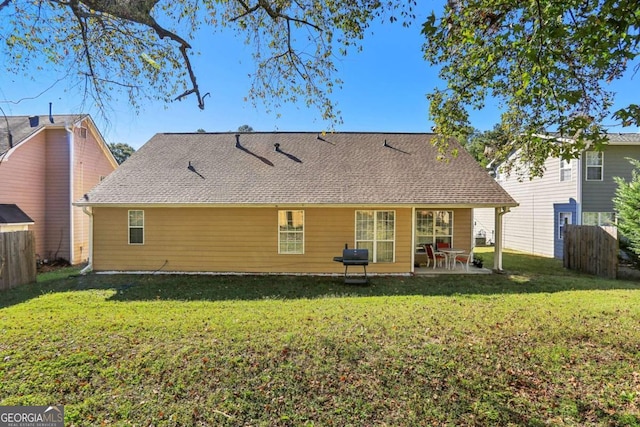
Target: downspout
497,258
579,190
89,266
413,240
71,175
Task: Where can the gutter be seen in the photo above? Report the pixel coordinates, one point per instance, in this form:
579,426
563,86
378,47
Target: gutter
497,259
89,266
69,129
579,175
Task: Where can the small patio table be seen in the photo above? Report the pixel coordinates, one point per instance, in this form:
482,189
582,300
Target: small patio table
451,254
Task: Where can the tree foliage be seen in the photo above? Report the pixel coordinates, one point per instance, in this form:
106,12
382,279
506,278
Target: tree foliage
545,62
627,206
121,151
245,128
482,144
143,48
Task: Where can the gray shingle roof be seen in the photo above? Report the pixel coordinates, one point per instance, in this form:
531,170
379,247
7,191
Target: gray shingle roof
337,168
21,127
12,214
624,138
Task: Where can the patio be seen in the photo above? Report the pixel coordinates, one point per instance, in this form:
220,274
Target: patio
439,271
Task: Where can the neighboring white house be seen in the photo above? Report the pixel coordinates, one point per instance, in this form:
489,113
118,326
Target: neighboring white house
579,191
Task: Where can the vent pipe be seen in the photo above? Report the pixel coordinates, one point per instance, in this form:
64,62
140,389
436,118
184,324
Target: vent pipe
50,114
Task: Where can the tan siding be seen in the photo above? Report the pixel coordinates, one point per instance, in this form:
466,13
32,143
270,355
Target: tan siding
57,198
236,240
463,229
23,179
89,164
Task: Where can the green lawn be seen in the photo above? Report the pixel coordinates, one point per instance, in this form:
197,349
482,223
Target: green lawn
536,346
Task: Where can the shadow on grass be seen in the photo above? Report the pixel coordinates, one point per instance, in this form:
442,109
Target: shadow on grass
529,275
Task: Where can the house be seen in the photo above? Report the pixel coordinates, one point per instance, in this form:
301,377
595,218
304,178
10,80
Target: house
46,163
283,202
577,191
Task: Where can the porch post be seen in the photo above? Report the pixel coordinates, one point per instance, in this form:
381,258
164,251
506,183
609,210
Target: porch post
497,255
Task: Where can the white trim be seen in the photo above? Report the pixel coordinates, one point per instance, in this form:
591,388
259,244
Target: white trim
433,230
413,240
136,227
601,166
374,254
89,267
71,139
568,168
292,232
362,206
579,164
569,217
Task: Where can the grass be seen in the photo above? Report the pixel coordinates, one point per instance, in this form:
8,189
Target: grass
536,346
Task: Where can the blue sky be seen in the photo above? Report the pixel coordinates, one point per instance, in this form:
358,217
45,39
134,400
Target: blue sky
384,90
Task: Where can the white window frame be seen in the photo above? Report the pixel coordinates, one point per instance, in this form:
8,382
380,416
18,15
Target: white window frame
433,235
373,255
600,165
136,226
566,168
562,216
284,234
599,218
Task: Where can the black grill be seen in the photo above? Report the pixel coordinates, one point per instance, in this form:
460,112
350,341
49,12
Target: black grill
357,257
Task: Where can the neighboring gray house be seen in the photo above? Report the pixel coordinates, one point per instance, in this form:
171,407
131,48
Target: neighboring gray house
579,191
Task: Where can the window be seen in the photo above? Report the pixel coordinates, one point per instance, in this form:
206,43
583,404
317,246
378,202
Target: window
83,133
434,227
564,218
598,218
565,170
594,165
375,231
290,232
136,227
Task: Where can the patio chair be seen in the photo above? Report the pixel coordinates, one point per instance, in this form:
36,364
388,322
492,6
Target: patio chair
464,260
442,245
434,256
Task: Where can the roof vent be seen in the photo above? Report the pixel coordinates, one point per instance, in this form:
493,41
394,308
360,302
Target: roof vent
50,114
386,144
238,141
34,121
277,146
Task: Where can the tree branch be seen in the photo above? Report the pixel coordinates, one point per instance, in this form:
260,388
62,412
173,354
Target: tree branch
83,32
139,11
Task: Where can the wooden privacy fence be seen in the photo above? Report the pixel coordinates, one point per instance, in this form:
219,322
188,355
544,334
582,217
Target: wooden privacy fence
17,259
591,249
